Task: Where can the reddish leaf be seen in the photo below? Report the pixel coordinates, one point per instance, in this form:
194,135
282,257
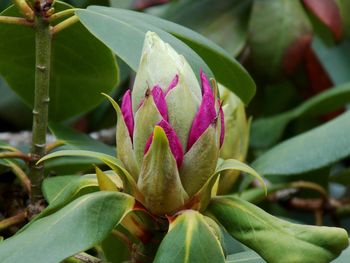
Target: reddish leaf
296,52
143,4
328,13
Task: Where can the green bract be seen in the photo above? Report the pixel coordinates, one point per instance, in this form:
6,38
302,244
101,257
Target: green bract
236,140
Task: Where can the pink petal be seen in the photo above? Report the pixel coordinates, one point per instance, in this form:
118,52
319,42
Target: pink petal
174,142
173,84
159,100
127,112
206,113
222,132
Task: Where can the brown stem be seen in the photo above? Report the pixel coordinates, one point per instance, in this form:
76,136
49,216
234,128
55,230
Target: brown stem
15,21
14,220
18,155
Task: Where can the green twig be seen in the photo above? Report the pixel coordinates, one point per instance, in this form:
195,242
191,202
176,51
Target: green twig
21,175
61,14
15,21
41,104
64,24
18,155
25,9
14,220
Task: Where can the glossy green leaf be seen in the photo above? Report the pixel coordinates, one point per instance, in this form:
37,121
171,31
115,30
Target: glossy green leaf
190,240
20,114
60,190
78,140
245,257
129,184
275,239
105,183
344,6
79,226
309,151
133,25
4,4
267,131
334,59
344,257
82,67
274,27
115,250
226,25
205,193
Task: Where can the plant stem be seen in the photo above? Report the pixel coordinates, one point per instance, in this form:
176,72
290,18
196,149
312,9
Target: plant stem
41,103
15,20
14,220
67,12
64,24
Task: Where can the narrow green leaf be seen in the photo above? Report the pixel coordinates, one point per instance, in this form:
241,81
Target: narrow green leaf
78,140
267,131
129,184
227,24
275,239
245,257
82,67
309,151
190,240
105,182
115,250
334,59
133,25
344,257
80,225
205,193
58,185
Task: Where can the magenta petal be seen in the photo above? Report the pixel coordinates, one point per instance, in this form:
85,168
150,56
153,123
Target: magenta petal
159,100
127,112
222,132
206,113
173,84
174,142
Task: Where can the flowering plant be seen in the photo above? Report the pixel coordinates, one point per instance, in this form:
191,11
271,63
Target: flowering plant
169,133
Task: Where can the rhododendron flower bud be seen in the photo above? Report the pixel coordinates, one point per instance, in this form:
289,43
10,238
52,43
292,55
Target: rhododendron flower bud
169,129
236,136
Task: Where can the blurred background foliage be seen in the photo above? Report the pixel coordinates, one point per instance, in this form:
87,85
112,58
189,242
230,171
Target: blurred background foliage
298,53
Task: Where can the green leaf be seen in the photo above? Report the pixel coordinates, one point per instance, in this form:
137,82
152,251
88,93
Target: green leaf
267,131
78,140
60,190
309,151
275,26
115,250
334,59
126,25
20,115
344,257
226,25
190,239
82,67
205,193
129,184
105,183
245,257
275,239
80,225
